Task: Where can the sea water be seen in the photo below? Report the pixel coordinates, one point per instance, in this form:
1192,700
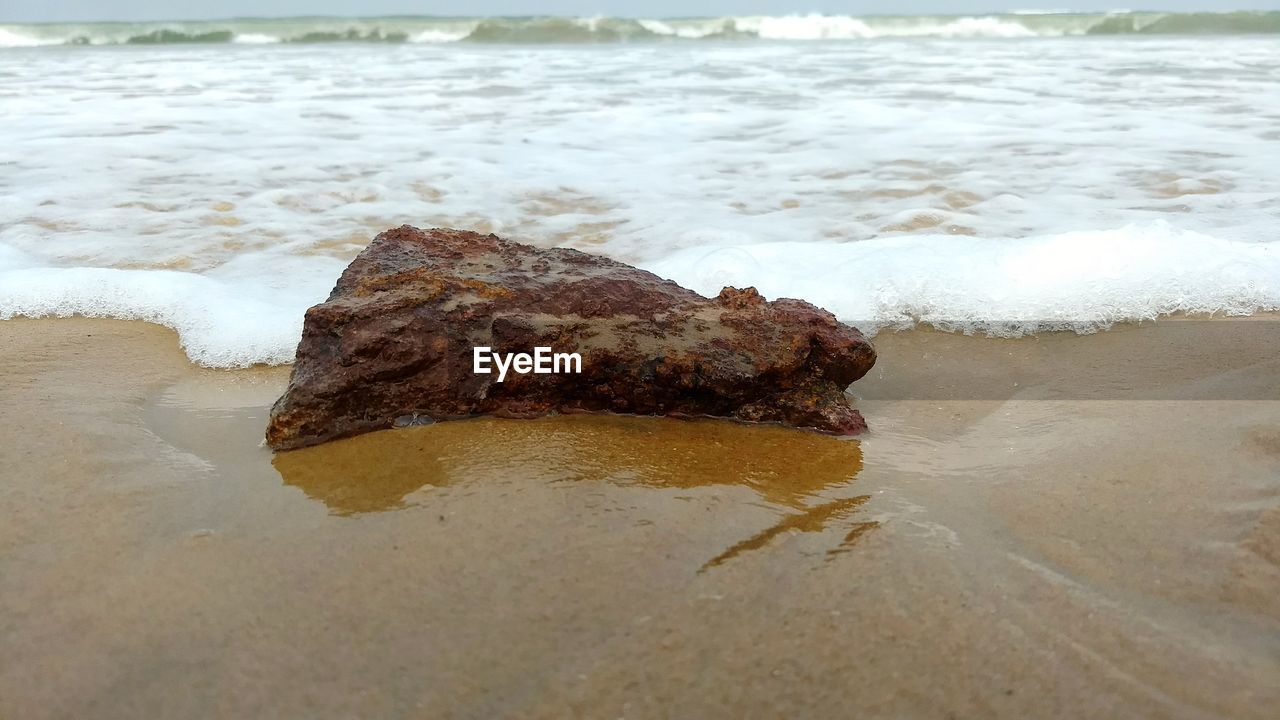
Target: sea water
1003,174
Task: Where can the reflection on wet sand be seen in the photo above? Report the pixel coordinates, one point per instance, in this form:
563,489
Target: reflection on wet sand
797,473
812,520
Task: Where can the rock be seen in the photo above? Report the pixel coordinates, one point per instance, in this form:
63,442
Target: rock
393,344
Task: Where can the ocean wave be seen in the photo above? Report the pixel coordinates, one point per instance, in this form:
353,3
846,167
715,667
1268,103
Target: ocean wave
559,30
250,310
174,37
255,39
13,38
819,27
1229,23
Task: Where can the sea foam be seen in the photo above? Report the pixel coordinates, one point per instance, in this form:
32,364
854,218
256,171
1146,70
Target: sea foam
246,312
1082,281
984,185
250,310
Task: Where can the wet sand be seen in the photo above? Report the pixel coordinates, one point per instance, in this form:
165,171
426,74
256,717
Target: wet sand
1059,526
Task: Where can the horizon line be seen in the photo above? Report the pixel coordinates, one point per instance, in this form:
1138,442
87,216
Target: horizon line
1024,12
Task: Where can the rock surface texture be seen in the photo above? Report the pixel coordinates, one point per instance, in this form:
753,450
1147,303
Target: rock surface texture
393,344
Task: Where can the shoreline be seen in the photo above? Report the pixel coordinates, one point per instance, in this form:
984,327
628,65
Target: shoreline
1000,543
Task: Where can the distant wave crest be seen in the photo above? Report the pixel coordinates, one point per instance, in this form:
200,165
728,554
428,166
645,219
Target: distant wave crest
558,30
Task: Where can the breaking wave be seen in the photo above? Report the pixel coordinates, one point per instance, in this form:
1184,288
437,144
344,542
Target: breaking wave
559,30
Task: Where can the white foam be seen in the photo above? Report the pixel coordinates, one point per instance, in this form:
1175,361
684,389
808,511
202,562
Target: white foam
687,29
254,39
247,312
14,259
1097,185
843,27
1083,281
974,27
9,38
807,27
440,36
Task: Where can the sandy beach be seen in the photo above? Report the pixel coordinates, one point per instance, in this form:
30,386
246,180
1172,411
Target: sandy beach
1035,524
1057,526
